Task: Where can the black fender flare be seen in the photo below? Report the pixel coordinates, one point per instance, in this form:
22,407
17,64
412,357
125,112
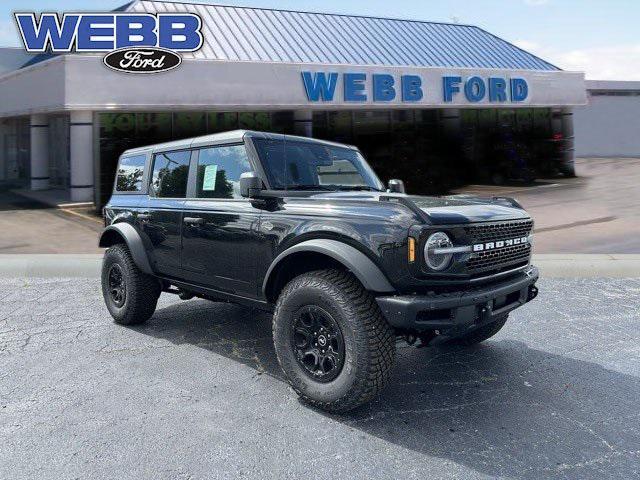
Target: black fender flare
371,277
133,240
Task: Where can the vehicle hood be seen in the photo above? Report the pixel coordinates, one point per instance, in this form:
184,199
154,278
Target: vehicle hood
468,209
452,209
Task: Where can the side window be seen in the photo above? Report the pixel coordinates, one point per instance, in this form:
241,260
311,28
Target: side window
219,170
129,174
170,174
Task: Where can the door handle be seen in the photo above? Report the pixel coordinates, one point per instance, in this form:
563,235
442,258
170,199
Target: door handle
143,216
193,220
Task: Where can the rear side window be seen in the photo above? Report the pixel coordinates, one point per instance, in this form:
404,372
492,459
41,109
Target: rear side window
170,174
219,170
129,174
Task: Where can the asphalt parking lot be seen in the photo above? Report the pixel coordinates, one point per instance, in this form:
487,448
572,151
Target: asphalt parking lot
196,393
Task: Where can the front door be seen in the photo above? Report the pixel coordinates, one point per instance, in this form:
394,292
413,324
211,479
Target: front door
219,226
160,219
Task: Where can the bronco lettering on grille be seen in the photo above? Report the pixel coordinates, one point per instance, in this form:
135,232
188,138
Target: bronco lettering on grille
481,247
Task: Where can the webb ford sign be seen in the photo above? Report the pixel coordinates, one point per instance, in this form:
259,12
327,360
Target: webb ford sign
384,87
83,82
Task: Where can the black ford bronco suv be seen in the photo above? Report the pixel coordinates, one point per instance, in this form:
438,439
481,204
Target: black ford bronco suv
305,229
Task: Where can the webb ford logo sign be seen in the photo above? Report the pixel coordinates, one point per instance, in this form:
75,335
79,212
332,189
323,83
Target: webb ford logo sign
136,43
147,60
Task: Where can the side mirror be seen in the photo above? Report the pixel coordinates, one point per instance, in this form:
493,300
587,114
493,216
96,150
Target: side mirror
396,186
250,185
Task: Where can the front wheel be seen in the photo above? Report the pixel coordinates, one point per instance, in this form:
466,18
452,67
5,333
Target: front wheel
131,295
332,341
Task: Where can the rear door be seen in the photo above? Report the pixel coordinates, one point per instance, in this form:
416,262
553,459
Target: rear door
130,187
219,226
161,218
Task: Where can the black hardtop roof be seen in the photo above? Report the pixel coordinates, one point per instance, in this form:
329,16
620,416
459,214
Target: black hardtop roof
233,136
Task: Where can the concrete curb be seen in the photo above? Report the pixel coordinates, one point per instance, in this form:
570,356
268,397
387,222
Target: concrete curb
556,265
50,265
550,265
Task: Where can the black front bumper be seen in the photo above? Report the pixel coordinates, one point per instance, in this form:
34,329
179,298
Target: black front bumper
459,311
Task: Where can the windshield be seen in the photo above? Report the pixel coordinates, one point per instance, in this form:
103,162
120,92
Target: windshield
300,165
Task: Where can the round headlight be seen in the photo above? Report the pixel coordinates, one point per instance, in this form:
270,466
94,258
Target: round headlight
437,261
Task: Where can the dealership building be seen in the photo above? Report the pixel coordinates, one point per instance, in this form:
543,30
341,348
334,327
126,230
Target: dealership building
423,100
608,125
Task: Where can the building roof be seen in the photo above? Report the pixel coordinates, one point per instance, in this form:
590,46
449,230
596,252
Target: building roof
613,85
235,33
12,58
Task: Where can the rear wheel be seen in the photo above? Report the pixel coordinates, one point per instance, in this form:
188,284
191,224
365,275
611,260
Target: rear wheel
332,341
131,295
481,334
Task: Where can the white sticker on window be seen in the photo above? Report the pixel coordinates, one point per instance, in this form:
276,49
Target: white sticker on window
210,173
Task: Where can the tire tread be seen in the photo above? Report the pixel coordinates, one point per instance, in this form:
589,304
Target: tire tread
143,290
376,336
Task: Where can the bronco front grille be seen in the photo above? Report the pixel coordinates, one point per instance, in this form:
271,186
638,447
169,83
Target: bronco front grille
499,231
499,259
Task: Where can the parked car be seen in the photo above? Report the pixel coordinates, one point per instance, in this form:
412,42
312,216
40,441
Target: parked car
305,229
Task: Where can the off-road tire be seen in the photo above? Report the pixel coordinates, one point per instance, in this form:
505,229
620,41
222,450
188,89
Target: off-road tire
481,334
142,290
369,341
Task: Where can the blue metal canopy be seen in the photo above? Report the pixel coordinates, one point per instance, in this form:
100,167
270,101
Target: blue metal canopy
234,33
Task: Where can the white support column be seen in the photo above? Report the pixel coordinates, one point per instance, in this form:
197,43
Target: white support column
81,156
303,122
39,152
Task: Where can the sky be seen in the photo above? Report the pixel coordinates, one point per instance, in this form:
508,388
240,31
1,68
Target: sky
599,37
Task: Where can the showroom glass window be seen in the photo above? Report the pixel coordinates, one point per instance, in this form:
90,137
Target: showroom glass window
129,174
170,174
219,170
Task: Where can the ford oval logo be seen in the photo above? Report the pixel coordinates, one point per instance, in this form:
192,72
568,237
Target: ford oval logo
142,60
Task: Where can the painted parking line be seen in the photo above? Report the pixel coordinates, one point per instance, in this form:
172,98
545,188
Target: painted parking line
82,215
575,224
494,190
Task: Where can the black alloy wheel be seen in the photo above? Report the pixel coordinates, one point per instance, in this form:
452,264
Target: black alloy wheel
318,344
129,294
117,285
